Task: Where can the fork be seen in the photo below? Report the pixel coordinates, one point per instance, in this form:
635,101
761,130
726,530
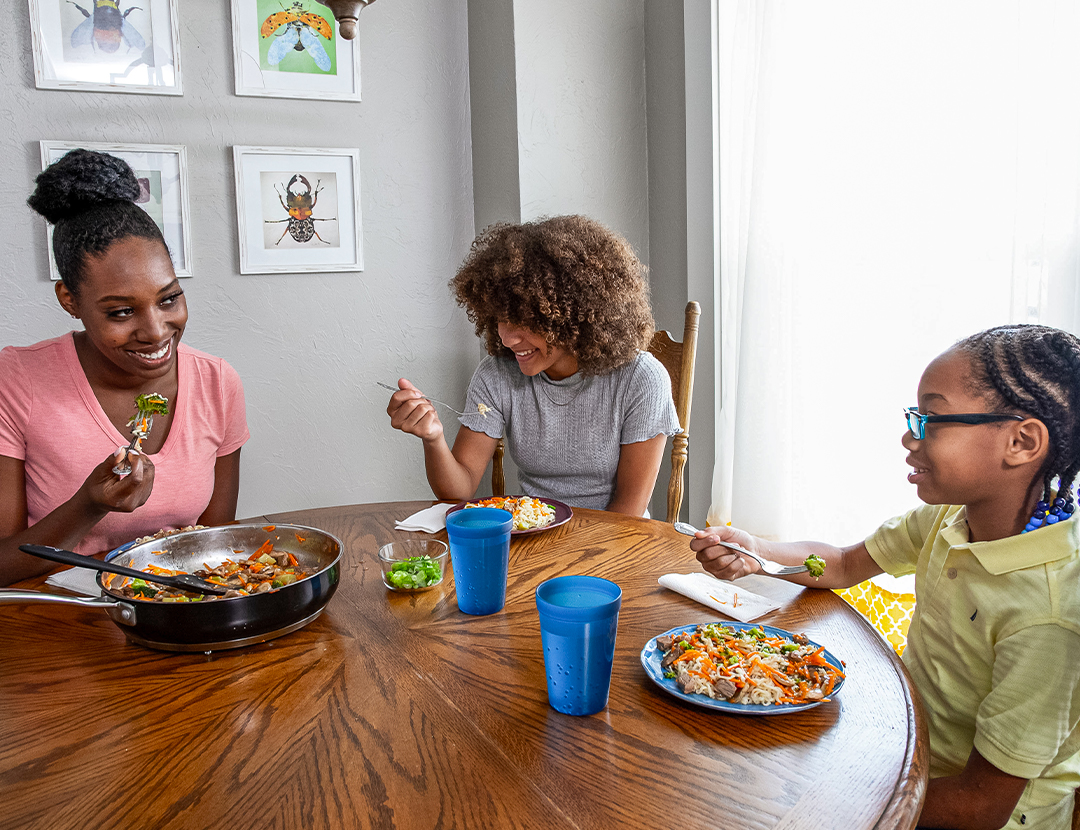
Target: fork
767,565
426,398
123,467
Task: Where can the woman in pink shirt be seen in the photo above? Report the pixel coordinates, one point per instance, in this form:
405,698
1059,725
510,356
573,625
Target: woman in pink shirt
65,403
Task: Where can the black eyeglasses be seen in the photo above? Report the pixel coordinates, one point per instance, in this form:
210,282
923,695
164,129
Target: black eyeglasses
917,422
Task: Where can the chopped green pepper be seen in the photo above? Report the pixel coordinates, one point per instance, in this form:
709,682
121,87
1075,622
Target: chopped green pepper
414,572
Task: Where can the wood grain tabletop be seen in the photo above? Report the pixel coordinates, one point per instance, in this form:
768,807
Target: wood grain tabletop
398,711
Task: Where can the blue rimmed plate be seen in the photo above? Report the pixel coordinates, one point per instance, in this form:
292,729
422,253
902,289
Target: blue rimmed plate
651,657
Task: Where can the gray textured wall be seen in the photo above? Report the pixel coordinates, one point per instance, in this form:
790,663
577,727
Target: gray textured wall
581,113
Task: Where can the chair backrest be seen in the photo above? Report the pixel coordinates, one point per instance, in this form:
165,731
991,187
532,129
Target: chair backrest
678,359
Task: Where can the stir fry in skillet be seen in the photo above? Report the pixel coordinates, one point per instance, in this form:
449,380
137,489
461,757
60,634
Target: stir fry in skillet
265,570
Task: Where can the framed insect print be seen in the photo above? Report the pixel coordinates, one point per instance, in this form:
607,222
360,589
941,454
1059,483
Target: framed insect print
291,49
162,173
298,209
106,45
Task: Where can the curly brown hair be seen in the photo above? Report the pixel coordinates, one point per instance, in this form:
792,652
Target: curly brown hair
567,278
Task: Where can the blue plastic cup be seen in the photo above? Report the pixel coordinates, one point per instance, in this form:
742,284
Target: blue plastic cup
578,619
480,552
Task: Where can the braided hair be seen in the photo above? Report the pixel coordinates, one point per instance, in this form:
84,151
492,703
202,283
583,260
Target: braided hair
90,199
1034,371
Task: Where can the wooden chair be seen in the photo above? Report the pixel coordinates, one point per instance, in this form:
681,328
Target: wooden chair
678,358
1076,810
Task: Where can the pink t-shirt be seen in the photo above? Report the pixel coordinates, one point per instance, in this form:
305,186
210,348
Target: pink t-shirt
52,421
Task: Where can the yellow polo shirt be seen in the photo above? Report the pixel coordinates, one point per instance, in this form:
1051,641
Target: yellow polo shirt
994,650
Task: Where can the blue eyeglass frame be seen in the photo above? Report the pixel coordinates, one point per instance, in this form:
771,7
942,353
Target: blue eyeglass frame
917,422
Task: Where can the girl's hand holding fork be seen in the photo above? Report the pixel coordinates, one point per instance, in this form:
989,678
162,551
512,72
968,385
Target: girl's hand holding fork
414,414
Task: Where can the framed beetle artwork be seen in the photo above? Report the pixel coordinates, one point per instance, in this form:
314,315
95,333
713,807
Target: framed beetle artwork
291,49
106,45
162,173
298,209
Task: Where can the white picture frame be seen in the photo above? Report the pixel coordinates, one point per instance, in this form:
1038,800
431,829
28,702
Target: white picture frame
78,46
302,56
162,172
298,209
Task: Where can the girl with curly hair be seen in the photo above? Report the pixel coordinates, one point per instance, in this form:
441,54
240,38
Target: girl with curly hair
994,643
563,307
65,403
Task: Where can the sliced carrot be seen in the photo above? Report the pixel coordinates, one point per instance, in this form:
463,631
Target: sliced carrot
269,528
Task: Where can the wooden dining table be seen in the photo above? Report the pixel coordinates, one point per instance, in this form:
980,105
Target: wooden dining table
395,710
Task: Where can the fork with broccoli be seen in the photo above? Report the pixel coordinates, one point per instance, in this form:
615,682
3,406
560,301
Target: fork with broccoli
146,407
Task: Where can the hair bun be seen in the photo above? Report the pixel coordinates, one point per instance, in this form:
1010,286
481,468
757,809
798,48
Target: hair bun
79,181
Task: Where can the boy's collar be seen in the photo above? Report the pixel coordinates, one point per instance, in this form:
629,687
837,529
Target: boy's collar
1014,553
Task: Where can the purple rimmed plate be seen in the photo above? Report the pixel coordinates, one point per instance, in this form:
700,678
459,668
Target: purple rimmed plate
563,513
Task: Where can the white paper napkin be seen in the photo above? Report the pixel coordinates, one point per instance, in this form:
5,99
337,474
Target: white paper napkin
729,598
429,520
76,580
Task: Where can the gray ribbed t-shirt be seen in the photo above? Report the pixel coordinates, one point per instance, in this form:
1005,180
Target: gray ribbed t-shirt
565,435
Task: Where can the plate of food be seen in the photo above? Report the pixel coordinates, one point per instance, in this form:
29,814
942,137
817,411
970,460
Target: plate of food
530,515
742,668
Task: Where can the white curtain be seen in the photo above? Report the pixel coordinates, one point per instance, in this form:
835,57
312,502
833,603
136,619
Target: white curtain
893,177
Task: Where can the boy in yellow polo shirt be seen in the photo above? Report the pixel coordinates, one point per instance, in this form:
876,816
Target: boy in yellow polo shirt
994,642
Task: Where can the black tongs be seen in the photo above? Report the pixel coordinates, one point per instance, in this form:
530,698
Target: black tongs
184,582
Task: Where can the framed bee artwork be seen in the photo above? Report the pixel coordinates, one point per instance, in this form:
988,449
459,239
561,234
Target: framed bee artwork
291,49
298,209
106,46
162,173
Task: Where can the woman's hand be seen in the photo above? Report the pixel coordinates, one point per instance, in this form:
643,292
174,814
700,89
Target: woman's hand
120,494
414,414
721,562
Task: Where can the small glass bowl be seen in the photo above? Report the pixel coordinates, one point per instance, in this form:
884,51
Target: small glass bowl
396,552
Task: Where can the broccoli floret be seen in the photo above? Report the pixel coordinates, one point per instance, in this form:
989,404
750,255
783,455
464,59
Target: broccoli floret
815,565
152,404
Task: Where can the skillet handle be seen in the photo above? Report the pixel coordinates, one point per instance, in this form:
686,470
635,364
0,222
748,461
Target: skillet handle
14,596
67,557
122,613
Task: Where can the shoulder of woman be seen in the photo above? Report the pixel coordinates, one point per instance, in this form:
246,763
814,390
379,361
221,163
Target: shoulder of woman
189,353
501,368
646,369
53,349
212,369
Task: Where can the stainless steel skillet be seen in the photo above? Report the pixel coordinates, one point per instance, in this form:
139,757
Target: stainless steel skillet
221,623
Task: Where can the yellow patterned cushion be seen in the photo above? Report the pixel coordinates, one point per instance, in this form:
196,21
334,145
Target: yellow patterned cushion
889,613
